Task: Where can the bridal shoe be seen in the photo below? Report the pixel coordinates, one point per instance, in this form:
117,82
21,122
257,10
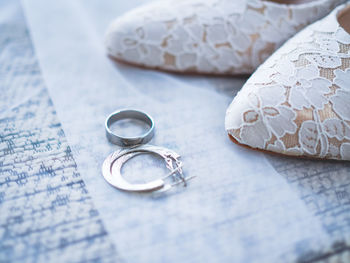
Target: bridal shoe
209,36
298,102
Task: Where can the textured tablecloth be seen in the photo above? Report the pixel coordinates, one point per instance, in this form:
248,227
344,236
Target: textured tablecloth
46,213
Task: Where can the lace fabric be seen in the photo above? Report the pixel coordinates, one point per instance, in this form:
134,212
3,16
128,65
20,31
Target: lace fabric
209,36
297,102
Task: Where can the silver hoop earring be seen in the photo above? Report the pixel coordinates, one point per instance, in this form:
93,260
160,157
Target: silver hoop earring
116,160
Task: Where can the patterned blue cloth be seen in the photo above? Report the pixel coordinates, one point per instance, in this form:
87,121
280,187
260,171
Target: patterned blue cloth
46,213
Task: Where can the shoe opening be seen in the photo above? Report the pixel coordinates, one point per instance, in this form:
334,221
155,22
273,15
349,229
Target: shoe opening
344,19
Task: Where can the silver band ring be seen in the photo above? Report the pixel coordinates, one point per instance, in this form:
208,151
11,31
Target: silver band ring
129,141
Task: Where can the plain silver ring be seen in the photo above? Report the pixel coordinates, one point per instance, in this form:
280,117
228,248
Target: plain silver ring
129,141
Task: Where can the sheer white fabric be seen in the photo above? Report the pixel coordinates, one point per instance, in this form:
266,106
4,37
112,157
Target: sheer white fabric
208,36
297,102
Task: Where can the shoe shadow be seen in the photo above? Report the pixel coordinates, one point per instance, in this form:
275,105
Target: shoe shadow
223,84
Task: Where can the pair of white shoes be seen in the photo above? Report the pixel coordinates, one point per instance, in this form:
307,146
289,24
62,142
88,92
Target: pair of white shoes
296,103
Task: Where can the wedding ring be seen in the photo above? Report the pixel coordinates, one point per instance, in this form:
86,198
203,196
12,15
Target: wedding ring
129,141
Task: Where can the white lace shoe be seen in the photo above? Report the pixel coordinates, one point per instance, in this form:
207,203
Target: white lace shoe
209,36
298,101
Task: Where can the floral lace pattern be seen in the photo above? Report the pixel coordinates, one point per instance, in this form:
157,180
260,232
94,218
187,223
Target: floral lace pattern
298,101
209,36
